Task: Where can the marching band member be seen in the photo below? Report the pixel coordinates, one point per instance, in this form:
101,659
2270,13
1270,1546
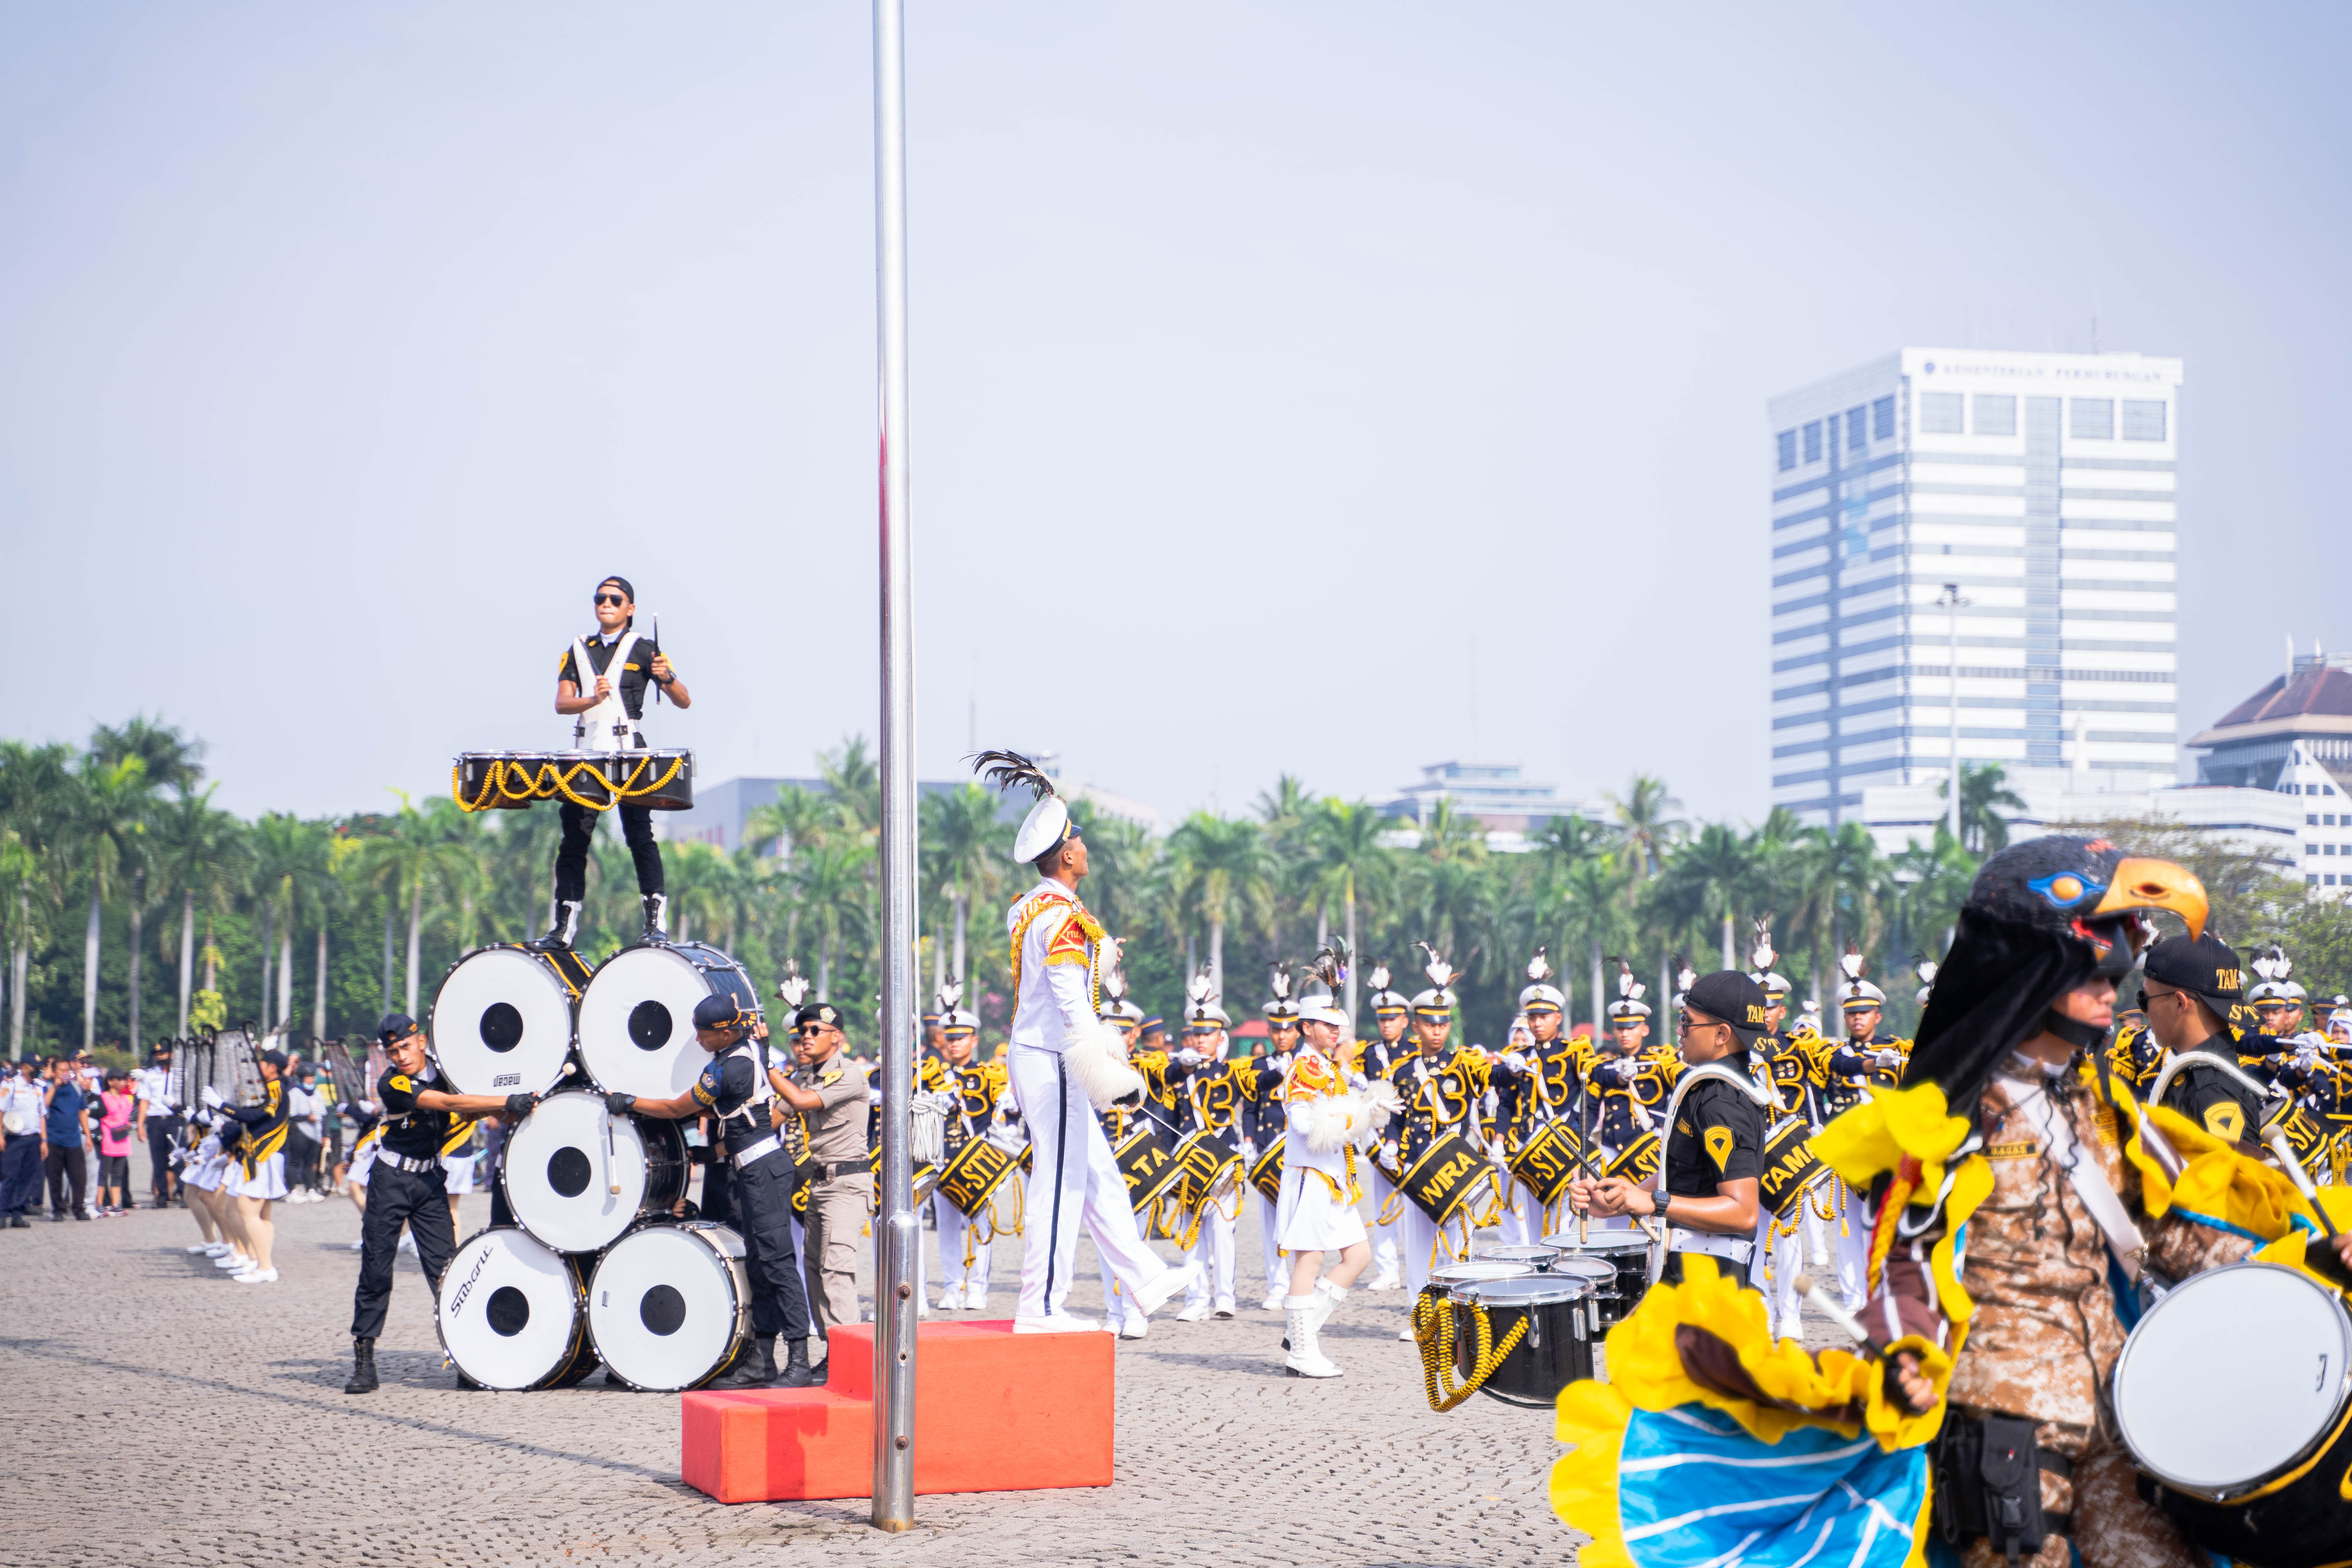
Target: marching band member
1378,1058
600,682
1326,1122
2192,985
1438,1089
1849,1070
1211,1102
405,1188
1265,1120
257,1177
1059,1046
744,1093
1625,1086
978,1085
200,1167
2024,1191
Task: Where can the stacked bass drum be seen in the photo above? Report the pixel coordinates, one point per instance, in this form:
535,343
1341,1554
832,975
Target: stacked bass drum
594,1265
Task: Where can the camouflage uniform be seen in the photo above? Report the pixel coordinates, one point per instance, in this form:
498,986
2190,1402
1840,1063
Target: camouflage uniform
2045,1336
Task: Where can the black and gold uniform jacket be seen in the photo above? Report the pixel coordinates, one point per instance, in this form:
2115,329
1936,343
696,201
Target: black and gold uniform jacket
2212,1099
1719,1137
1263,1117
1628,1093
634,675
977,1086
2133,1056
1549,1086
1856,1061
1791,1074
1440,1095
1157,1114
411,1132
1215,1095
265,1125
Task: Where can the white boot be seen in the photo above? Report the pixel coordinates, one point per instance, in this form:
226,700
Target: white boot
1306,1357
1327,1298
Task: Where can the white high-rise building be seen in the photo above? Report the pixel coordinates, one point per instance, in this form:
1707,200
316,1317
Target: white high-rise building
2038,489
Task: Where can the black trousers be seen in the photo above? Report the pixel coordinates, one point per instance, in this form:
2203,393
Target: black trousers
762,1194
718,1190
580,826
302,1158
20,1175
68,1165
161,1132
395,1198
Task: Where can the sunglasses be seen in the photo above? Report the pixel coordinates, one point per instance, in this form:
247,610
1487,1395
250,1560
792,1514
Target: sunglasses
612,599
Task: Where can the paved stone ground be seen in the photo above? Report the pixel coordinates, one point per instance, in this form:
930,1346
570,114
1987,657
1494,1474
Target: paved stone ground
158,1414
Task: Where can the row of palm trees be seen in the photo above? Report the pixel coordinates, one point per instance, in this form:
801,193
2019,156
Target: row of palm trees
318,923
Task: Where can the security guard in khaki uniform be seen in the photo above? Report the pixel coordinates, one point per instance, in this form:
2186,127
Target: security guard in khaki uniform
829,1092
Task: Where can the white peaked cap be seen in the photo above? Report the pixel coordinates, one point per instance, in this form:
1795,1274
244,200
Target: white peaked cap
1047,824
1322,1007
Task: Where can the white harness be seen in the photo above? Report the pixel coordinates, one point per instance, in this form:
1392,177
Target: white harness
606,727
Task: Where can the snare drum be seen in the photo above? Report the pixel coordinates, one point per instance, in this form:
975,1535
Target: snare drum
1535,1258
1548,1161
669,1306
1149,1167
1442,1177
1265,1172
512,1313
1556,1350
637,1016
501,1021
1626,1254
1447,1278
1210,1164
2231,1391
659,780
977,1170
561,1165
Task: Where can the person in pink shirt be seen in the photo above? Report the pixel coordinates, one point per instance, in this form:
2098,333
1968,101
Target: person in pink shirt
118,1110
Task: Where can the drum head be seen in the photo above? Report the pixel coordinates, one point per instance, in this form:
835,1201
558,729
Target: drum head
559,1176
1601,1243
1602,1276
2232,1377
668,1303
510,1310
1453,1275
637,1020
1524,1290
1533,1256
501,1023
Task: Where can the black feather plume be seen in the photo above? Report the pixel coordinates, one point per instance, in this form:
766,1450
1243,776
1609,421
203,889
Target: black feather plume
1006,769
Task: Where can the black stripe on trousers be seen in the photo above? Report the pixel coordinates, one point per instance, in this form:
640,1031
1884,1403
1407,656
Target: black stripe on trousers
1061,1152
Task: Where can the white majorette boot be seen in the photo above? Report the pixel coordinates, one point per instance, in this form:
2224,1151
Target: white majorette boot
1306,1357
1327,1298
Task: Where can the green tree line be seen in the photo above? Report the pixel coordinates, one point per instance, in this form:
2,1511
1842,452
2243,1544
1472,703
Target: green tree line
132,908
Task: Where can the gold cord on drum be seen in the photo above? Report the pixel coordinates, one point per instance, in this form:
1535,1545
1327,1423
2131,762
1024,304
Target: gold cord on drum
512,781
1432,1332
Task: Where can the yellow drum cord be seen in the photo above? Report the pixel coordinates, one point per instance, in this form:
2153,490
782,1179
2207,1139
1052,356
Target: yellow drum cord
1433,1330
505,781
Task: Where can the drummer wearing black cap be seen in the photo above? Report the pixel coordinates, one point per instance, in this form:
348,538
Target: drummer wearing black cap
2191,986
407,1186
1713,1154
735,1087
608,698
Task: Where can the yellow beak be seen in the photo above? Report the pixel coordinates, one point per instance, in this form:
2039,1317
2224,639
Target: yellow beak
2145,883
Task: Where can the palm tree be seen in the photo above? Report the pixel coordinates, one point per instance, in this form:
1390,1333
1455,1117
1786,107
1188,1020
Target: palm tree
1598,917
414,861
1984,795
172,761
834,883
854,777
795,820
110,803
963,854
1644,821
37,793
1349,862
1842,883
1222,870
200,853
1704,880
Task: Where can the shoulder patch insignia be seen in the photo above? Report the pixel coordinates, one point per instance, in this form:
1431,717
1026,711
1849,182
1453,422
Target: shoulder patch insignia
400,1081
2226,1119
1719,1146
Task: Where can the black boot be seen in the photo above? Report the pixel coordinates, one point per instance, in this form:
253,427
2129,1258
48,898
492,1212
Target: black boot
755,1366
564,924
362,1368
797,1374
656,905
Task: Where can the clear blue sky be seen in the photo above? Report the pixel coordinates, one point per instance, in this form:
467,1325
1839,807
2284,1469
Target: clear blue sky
1284,374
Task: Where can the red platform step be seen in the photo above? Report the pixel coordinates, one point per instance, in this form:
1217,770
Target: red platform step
994,1412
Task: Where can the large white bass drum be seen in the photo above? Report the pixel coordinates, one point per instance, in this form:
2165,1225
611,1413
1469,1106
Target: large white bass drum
2233,1379
669,1305
636,1016
512,1313
576,1176
501,1021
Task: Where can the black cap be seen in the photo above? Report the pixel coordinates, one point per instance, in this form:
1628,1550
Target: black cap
2206,967
823,1013
718,1013
275,1059
395,1026
1731,996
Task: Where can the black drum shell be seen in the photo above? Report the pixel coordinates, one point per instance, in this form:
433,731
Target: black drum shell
1631,1262
1557,1351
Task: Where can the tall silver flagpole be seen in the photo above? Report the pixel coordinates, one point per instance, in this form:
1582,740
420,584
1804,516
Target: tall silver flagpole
898,1233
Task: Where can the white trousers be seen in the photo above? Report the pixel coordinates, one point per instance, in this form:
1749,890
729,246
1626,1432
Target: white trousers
1384,1236
1417,1235
1075,1183
1522,1216
1278,1277
952,1272
1852,1249
1213,1247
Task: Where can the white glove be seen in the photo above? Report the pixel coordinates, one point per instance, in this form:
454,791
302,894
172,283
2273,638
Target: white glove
212,1099
1389,1151
1190,1057
1890,1058
1516,1062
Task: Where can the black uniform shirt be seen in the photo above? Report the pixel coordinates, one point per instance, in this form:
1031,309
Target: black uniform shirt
633,674
725,1087
2214,1100
408,1129
1717,1136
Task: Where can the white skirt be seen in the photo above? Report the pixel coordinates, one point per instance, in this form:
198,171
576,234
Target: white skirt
205,1174
268,1181
461,1173
1307,1219
361,1163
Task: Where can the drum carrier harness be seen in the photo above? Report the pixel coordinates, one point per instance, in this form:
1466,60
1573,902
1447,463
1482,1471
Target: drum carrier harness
744,1130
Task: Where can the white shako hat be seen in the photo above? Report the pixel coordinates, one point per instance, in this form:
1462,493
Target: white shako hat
1283,1007
1382,999
1115,1008
1048,825
1438,1000
1927,967
1328,972
1541,992
1776,984
1859,994
1685,978
954,1015
2276,990
1201,1004
1629,1008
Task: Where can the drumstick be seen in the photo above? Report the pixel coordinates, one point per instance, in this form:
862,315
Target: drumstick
611,1176
2275,1136
655,616
1831,1307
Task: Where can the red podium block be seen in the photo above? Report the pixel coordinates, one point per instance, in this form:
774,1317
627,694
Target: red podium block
994,1412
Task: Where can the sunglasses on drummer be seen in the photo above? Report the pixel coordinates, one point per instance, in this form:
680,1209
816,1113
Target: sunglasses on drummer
616,600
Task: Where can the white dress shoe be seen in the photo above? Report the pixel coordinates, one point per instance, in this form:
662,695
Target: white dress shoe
1224,1306
1197,1312
256,1277
1272,1303
1135,1328
1056,1323
1170,1282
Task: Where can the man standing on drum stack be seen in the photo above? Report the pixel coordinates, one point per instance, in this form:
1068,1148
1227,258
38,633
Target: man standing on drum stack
608,698
737,1089
407,1186
1065,1062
